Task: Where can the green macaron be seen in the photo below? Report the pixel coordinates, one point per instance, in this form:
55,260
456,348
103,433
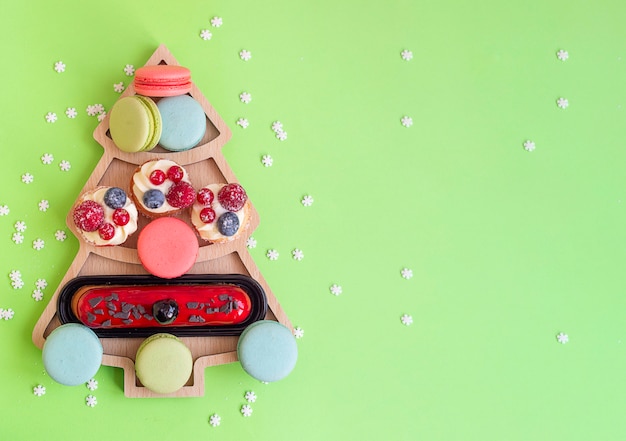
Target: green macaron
135,124
163,363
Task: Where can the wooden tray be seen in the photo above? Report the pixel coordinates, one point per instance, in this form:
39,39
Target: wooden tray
205,164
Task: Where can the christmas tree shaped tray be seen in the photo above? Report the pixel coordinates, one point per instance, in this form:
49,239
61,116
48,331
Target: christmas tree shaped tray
205,164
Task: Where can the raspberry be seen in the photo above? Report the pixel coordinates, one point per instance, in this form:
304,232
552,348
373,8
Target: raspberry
207,215
106,231
175,173
157,177
89,215
181,195
121,217
205,196
232,197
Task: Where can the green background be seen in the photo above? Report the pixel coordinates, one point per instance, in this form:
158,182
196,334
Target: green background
508,247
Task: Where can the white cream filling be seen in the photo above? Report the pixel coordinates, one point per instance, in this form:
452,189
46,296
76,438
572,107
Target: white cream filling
121,231
210,231
141,183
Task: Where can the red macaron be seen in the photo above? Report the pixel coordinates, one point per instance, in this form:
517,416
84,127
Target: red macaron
167,247
162,80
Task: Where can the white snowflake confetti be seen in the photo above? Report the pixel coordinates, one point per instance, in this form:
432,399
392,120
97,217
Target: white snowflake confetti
562,55
17,284
406,319
246,410
251,242
243,123
65,165
336,289
71,112
37,295
215,420
562,103
216,22
307,200
277,126
91,110
267,160
298,332
272,254
38,244
59,66
41,284
51,117
99,108
15,275
562,338
18,238
60,235
245,97
7,314
245,55
282,135
297,254
43,205
406,121
92,384
4,210
250,396
205,34
27,178
47,158
101,116
118,87
20,226
91,401
129,70
39,390
529,146
406,55
406,273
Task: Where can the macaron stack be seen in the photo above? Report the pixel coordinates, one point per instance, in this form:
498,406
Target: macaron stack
162,113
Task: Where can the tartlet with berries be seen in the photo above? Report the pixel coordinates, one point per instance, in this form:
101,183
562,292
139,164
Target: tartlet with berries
105,216
161,187
220,212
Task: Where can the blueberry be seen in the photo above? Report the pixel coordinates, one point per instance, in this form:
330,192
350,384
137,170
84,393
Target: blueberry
228,223
165,311
153,198
115,197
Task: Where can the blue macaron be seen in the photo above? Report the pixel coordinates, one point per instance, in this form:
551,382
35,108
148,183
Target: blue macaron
183,121
267,351
72,354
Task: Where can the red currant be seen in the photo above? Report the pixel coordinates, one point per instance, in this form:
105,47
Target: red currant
207,215
106,231
157,177
175,173
89,215
232,197
205,196
121,217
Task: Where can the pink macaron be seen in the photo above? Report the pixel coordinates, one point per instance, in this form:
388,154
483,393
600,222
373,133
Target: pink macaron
162,80
167,247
